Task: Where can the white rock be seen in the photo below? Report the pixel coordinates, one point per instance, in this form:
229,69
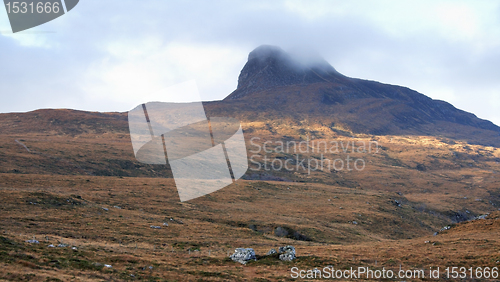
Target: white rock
287,253
243,255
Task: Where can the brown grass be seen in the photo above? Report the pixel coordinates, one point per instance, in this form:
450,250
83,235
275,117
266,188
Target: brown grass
60,190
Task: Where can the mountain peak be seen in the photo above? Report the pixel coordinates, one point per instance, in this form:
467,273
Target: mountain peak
264,52
270,66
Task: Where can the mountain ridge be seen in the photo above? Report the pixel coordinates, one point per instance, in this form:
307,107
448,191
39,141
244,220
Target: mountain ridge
271,79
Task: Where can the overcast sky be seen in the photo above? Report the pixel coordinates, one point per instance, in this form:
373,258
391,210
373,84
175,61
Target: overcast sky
111,55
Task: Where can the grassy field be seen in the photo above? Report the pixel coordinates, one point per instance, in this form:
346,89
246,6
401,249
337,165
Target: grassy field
108,220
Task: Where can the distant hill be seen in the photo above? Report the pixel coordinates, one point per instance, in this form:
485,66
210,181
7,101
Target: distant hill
63,121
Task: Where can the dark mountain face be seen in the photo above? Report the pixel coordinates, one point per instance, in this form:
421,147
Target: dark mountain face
273,82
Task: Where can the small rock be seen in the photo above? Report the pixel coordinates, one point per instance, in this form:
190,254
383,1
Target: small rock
285,249
176,221
51,246
106,209
165,224
243,255
62,246
117,207
271,252
33,241
445,228
155,227
74,248
108,266
482,216
354,222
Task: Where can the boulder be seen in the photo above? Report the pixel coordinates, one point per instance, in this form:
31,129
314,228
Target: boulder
243,255
287,253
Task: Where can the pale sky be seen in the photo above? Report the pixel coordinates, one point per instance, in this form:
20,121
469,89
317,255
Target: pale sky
111,55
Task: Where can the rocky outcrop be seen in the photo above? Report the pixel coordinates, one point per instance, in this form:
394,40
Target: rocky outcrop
244,255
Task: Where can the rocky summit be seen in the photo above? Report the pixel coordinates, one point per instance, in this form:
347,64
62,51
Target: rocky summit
270,66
